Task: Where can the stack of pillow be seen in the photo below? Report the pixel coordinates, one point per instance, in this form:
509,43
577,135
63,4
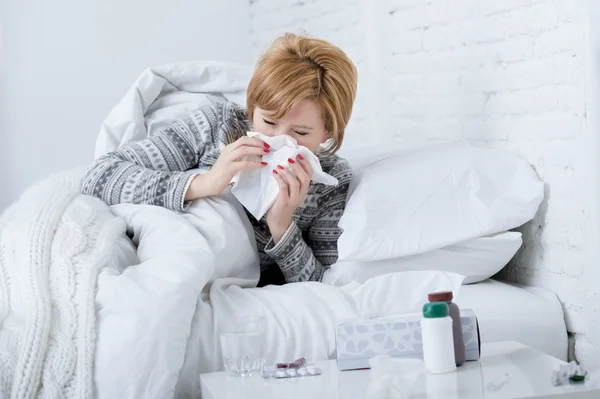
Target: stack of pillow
447,207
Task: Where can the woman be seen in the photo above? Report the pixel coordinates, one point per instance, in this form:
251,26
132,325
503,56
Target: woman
302,87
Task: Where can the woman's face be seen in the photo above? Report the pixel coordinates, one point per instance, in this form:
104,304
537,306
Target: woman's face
303,122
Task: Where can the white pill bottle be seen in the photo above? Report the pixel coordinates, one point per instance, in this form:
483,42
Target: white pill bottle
438,342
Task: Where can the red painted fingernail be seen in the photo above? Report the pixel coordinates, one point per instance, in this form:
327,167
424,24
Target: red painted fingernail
264,163
300,157
266,145
280,167
274,171
266,150
290,160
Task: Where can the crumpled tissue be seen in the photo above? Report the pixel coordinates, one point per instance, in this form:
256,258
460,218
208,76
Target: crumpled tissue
567,373
257,189
394,378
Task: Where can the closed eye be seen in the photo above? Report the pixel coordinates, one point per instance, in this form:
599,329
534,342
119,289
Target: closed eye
301,133
269,122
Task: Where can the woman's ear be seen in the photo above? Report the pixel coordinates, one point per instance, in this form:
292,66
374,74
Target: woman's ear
326,137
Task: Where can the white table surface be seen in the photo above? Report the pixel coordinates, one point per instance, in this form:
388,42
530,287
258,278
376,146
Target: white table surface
521,372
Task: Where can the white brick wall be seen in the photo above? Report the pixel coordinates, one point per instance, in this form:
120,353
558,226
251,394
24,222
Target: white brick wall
507,74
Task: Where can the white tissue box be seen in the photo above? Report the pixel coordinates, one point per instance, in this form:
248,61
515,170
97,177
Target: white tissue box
399,336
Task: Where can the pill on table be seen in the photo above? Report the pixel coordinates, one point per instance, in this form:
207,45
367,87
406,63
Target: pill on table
280,373
292,372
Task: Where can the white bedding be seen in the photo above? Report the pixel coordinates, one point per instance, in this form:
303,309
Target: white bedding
170,332
532,316
159,309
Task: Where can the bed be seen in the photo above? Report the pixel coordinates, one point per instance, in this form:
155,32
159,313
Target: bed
302,316
153,344
166,280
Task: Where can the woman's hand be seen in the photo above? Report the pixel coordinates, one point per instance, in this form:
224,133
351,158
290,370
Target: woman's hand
229,163
292,192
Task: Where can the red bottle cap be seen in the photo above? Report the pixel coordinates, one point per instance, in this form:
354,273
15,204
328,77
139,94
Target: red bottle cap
441,296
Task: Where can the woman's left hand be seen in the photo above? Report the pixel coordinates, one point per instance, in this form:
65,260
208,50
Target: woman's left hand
292,192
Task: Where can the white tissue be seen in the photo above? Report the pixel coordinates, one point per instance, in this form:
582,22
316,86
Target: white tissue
257,189
566,371
394,378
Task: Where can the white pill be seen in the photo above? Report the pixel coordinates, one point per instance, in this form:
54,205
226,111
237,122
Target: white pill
280,373
302,371
311,369
292,372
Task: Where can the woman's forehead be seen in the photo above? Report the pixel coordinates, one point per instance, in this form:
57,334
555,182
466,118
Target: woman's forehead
302,110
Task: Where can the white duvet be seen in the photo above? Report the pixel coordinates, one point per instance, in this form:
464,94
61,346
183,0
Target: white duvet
159,307
167,288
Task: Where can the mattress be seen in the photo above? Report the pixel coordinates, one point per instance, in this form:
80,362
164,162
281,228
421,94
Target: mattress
529,315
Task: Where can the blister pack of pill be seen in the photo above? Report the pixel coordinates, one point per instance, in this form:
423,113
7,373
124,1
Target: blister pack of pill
298,368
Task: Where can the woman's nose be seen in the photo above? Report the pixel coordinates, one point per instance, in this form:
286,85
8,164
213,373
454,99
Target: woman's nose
279,131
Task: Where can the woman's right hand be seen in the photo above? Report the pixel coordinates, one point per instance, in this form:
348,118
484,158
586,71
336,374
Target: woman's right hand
229,163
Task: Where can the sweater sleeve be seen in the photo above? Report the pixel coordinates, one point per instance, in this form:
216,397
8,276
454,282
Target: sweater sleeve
307,258
155,171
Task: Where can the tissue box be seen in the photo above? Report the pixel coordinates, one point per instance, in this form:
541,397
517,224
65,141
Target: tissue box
399,336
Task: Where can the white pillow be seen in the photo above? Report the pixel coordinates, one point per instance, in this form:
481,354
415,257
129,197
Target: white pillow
410,201
476,259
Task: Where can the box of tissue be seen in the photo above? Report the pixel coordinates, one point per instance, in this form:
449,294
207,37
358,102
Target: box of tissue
399,336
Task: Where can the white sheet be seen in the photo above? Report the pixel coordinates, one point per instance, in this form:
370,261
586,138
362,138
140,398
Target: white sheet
165,344
532,316
145,310
158,318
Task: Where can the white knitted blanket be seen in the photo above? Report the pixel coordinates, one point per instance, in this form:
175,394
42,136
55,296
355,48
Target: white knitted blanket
53,241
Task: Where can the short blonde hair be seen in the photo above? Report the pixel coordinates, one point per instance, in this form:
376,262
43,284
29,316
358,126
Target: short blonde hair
296,68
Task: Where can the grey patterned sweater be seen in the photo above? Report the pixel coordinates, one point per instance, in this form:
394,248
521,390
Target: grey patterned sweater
156,171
